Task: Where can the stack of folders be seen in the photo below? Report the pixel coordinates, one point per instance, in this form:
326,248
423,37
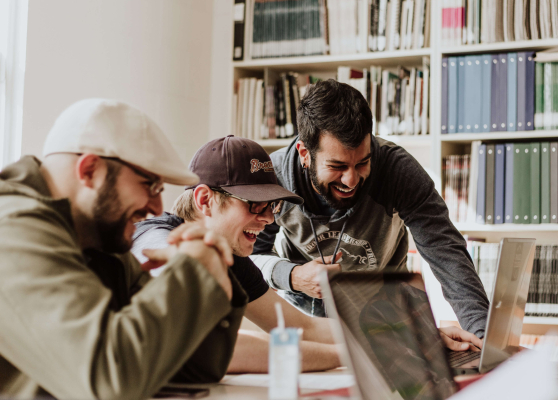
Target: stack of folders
542,300
490,21
279,28
488,93
507,183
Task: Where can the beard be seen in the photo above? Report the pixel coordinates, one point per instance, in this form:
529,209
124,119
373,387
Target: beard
324,190
109,226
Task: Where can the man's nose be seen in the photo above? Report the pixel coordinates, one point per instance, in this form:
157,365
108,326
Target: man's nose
267,216
155,205
350,177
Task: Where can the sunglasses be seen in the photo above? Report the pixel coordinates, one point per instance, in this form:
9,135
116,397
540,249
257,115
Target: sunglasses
256,207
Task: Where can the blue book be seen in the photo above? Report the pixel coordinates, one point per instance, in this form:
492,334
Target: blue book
508,187
474,87
468,95
499,183
503,93
445,95
530,91
452,95
489,193
486,85
461,66
521,87
481,185
512,92
495,98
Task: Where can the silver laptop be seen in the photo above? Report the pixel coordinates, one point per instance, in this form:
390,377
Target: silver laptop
507,309
392,343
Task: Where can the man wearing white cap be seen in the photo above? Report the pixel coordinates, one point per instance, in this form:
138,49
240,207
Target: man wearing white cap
79,318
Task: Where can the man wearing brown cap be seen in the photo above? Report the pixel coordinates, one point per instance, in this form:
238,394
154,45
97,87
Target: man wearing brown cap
238,196
79,318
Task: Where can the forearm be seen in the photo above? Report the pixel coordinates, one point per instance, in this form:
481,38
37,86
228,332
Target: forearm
251,354
318,330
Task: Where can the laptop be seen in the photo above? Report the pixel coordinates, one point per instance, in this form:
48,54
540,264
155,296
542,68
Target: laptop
392,344
506,312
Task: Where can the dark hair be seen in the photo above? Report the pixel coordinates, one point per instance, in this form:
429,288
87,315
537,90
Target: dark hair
334,108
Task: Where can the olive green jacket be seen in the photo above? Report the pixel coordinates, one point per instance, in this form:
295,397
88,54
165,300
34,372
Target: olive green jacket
57,332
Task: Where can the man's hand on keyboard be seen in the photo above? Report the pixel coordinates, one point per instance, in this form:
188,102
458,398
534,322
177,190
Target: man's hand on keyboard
459,340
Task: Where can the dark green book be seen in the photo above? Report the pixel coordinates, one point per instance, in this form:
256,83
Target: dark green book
545,183
535,183
521,184
489,193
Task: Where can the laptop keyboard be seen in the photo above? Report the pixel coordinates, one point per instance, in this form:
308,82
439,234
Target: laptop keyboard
457,358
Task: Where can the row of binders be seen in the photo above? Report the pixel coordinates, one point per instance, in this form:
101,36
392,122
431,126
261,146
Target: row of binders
506,183
490,21
542,300
488,93
287,28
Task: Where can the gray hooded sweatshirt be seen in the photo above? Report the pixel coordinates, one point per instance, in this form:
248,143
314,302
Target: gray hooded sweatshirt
397,194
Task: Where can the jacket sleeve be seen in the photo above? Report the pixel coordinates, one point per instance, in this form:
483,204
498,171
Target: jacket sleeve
58,329
410,191
276,270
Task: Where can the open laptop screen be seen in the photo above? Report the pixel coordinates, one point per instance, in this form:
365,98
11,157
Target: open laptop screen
390,319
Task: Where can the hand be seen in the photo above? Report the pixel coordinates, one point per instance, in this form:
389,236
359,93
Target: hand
305,278
206,255
459,340
195,230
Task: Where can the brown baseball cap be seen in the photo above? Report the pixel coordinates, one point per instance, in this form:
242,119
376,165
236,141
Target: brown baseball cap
240,167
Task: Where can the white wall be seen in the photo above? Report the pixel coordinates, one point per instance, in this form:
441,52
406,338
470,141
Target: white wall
154,54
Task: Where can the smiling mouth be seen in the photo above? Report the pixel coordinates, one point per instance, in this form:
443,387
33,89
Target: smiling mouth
251,234
344,192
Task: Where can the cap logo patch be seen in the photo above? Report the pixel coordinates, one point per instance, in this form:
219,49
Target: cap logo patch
256,165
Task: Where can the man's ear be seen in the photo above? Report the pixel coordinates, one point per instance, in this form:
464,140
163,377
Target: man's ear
203,197
303,153
90,170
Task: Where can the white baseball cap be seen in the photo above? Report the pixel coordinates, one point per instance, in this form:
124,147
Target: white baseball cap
111,128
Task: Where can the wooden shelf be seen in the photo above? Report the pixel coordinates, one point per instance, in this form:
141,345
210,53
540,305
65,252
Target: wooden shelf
270,143
469,137
501,46
540,320
328,63
409,140
469,227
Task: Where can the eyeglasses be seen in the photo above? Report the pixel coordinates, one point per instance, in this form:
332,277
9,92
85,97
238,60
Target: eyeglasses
256,207
156,186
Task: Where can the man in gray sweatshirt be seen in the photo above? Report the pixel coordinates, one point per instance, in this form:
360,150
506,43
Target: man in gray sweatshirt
360,194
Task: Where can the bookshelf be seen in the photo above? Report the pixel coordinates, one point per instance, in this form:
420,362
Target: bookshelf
428,149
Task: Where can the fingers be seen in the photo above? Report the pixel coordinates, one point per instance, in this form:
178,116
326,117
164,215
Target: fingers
332,267
453,344
149,265
462,335
221,245
329,259
186,232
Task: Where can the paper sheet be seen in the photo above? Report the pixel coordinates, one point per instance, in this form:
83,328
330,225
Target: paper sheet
307,381
528,375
